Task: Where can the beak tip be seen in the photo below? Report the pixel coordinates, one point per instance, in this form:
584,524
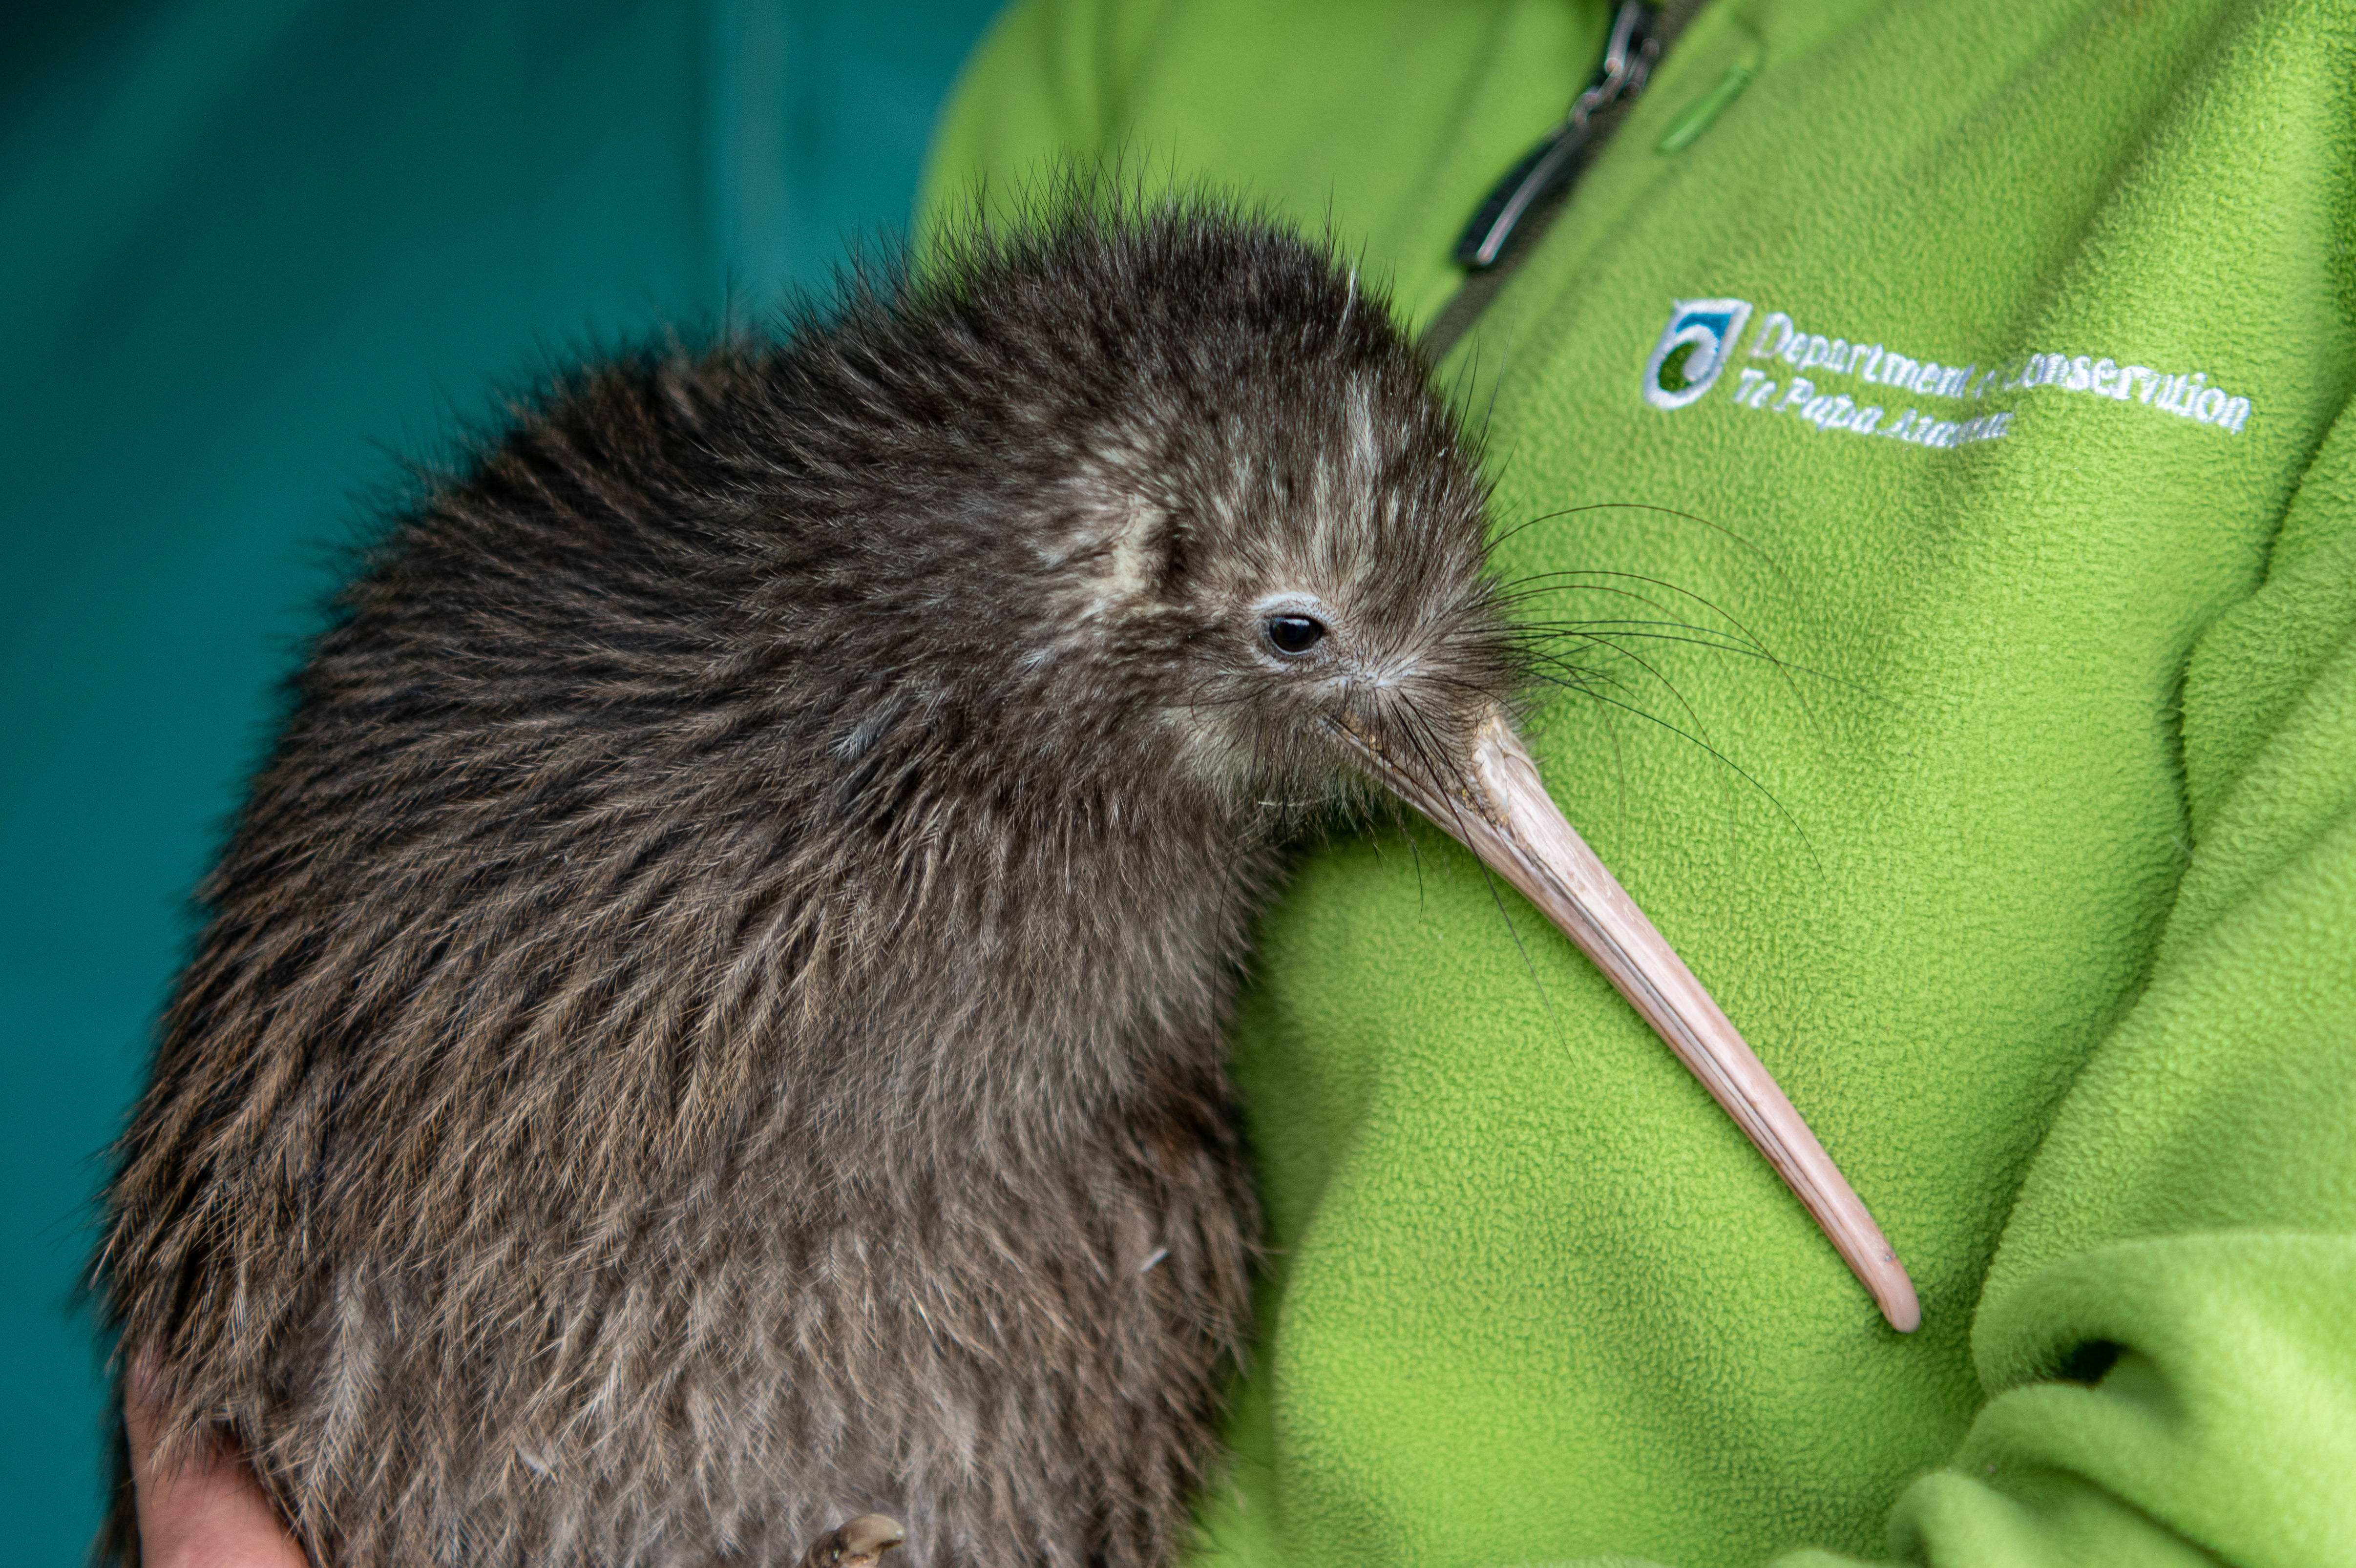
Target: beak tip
1898,1302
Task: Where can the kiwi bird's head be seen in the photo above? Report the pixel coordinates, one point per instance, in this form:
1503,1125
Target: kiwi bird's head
1225,542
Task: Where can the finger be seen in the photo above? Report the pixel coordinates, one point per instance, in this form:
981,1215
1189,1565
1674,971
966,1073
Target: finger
205,1510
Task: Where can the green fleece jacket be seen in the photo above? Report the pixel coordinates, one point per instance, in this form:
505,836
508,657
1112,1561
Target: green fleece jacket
1926,429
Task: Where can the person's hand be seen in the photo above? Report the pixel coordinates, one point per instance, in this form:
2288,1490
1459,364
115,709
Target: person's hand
207,1512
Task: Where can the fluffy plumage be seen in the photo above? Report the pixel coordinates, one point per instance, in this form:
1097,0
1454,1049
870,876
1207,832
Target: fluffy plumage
710,1020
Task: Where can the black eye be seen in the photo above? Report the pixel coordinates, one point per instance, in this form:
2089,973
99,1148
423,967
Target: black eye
1293,635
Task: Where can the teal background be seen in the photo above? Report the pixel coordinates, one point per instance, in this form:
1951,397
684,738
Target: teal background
252,253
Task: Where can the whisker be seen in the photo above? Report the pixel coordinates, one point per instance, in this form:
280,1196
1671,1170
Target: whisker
1419,723
1650,670
1577,674
1748,633
1729,763
1643,506
1575,628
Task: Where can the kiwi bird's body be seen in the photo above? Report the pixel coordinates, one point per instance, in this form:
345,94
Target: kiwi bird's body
710,1021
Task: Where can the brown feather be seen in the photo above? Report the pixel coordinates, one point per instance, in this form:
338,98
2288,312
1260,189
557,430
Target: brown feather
710,1021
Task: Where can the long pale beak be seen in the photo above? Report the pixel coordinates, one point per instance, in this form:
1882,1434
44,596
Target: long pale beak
1502,813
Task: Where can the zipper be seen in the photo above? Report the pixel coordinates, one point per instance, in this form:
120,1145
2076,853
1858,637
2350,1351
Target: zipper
1547,169
1517,208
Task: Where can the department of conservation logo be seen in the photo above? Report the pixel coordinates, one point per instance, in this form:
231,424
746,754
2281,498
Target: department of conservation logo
1694,348
1872,388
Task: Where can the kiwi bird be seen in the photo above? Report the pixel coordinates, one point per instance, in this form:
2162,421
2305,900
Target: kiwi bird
710,1019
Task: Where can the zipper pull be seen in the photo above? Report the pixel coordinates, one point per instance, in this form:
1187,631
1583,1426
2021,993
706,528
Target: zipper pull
1628,56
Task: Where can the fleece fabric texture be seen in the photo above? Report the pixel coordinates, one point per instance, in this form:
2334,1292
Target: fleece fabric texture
1937,468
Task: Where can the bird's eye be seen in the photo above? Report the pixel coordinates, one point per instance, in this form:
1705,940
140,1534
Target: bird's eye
1293,635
